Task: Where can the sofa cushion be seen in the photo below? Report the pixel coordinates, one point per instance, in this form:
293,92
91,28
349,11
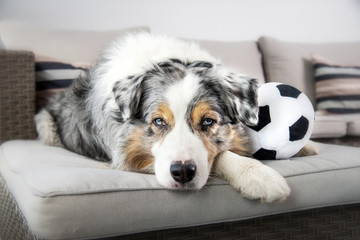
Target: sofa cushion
242,57
66,196
353,128
69,46
52,77
290,62
330,125
83,47
337,87
72,51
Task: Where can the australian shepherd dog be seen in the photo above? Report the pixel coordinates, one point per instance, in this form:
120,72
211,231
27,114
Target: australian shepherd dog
155,104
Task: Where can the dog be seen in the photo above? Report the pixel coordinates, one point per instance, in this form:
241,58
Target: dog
160,105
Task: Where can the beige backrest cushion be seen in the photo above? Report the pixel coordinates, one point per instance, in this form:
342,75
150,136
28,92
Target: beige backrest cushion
83,47
241,57
68,46
67,49
290,62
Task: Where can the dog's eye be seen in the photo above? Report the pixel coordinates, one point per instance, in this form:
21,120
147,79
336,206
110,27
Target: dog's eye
207,122
159,122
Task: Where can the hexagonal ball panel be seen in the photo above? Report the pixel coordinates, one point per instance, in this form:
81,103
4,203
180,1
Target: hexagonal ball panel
298,130
265,154
288,91
264,118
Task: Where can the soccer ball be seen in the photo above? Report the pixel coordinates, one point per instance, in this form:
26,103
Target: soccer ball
286,120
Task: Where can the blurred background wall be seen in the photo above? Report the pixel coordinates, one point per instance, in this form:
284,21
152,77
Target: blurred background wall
292,20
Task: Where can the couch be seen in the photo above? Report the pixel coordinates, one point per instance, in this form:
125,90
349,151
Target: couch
51,193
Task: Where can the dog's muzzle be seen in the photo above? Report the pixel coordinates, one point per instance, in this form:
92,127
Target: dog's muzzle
183,172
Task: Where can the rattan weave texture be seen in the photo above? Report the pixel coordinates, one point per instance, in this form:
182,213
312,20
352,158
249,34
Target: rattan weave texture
330,223
17,98
13,225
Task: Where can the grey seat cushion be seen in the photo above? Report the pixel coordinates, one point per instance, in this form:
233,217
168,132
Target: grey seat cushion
66,196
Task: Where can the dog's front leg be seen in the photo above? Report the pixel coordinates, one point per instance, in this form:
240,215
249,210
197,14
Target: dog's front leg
252,178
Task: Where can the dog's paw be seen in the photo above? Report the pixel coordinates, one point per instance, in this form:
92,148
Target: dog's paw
263,183
252,178
308,150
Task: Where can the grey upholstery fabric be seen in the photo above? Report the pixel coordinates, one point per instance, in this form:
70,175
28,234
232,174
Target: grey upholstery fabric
66,196
69,46
335,125
290,63
242,57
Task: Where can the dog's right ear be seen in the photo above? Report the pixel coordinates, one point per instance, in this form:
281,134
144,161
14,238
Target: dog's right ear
128,94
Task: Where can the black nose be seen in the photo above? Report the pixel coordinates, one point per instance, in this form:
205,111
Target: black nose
183,172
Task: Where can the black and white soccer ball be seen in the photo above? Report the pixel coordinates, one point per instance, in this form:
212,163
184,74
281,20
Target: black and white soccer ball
286,120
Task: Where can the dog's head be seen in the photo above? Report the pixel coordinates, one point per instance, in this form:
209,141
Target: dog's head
185,115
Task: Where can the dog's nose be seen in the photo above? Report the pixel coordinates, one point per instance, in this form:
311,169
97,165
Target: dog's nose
183,172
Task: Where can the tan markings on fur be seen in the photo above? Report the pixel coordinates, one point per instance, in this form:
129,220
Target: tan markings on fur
309,149
211,148
138,156
201,111
165,113
239,143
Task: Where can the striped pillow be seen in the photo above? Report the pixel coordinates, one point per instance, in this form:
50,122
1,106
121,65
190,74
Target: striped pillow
337,87
52,77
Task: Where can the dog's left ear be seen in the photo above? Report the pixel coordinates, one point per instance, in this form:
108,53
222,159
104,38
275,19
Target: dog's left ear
242,99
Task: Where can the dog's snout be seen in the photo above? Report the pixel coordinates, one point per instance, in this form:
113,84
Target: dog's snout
183,172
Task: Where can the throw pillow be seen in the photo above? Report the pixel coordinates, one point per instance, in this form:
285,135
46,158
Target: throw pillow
337,87
58,52
290,62
53,76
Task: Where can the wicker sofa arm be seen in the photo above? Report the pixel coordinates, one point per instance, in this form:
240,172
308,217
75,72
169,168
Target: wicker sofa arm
17,95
